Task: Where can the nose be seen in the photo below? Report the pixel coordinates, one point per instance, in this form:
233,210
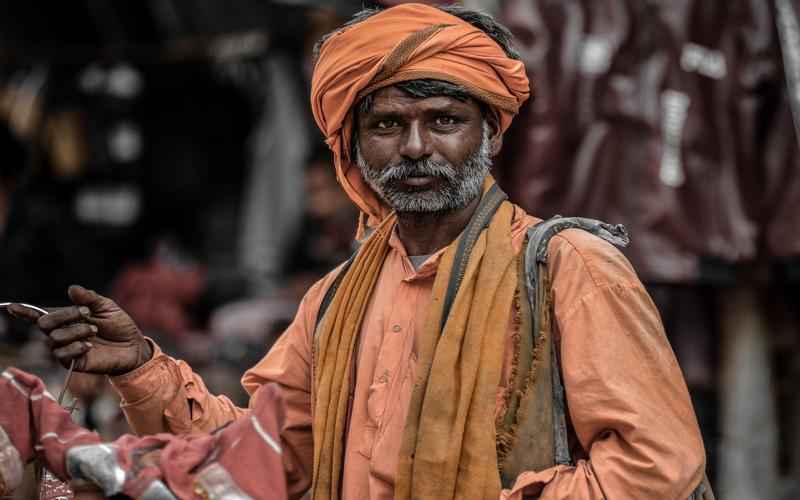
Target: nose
416,142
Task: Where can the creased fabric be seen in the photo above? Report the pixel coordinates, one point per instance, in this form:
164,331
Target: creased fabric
406,42
335,350
36,425
245,457
448,449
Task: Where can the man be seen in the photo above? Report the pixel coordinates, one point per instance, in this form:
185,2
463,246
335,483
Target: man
397,387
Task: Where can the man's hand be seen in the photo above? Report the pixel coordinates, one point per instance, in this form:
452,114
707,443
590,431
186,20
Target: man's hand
95,332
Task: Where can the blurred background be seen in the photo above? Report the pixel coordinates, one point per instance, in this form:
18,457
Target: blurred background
162,152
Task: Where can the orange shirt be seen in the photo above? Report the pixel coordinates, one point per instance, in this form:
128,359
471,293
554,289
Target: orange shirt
627,399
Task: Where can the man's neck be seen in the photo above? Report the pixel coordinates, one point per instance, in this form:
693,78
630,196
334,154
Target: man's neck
425,233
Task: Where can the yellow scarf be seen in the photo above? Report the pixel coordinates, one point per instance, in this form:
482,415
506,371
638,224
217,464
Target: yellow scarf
449,445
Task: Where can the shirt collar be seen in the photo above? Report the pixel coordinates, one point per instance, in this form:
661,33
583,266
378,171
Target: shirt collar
426,270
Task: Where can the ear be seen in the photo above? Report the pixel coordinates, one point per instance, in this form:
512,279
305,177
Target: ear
495,133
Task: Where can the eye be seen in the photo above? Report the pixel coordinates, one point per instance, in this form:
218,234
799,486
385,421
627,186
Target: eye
386,124
445,121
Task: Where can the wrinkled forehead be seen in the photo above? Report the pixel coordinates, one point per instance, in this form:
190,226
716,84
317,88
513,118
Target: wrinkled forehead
394,99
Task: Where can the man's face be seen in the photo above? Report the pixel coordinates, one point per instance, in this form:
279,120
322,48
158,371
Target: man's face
423,155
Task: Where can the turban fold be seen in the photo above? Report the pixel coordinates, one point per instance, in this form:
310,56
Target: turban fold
407,42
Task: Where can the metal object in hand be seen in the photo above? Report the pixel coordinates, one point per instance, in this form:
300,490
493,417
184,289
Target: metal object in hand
38,309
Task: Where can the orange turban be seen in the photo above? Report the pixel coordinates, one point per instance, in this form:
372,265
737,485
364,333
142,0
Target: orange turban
407,42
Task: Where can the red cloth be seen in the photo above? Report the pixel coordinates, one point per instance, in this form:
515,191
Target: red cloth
37,426
248,450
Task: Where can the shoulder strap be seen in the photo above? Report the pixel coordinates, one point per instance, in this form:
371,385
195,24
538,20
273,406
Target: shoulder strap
331,291
539,237
489,204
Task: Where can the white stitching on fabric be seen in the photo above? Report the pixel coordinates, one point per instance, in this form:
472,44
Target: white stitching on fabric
16,385
265,436
53,435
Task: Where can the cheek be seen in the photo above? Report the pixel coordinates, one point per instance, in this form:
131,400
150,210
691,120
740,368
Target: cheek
377,151
457,148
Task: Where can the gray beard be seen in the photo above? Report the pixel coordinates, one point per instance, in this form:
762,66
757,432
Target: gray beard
457,186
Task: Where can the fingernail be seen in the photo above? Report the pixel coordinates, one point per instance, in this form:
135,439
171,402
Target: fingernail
85,312
93,328
88,345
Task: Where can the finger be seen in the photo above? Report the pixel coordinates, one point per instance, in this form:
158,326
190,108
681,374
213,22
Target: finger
71,351
83,297
68,334
20,311
63,316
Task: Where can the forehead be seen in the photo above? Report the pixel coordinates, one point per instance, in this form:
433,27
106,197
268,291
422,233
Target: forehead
393,100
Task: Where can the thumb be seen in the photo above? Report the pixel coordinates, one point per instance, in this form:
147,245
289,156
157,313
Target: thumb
83,297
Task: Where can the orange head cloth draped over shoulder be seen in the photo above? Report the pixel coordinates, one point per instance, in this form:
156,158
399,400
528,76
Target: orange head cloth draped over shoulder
407,42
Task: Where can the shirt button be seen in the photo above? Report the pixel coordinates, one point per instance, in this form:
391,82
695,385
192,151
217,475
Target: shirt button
396,328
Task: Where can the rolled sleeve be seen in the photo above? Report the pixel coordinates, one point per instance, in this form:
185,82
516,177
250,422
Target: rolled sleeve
138,385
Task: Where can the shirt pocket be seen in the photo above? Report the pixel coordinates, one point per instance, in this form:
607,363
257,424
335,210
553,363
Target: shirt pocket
376,406
386,450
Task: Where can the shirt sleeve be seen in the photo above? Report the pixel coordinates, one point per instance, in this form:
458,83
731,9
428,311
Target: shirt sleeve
157,396
626,396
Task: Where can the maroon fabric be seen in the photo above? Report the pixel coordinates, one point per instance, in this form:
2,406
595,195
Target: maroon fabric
782,194
781,199
37,426
254,465
248,449
624,90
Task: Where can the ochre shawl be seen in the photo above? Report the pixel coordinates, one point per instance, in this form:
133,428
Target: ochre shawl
449,447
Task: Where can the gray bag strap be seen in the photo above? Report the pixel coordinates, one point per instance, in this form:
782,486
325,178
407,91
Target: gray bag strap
331,291
539,237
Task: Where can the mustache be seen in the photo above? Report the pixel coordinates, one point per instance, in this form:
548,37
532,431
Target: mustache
417,168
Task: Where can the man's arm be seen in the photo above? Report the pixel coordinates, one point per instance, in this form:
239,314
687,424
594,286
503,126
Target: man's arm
97,336
158,396
627,399
161,394
165,395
